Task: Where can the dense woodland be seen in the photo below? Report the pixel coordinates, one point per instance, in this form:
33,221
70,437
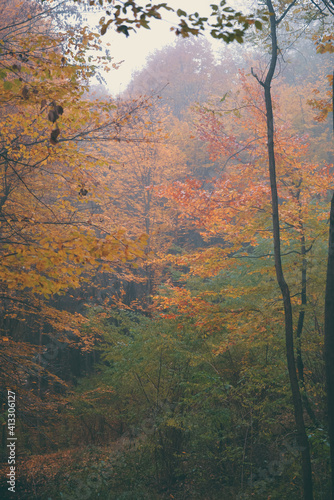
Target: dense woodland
144,322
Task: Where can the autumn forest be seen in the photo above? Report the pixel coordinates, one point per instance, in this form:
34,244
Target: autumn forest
167,254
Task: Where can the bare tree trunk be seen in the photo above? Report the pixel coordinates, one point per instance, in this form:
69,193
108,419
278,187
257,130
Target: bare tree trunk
329,338
296,395
300,324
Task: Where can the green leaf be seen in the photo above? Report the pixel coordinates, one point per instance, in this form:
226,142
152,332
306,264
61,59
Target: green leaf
105,27
7,85
122,29
145,24
181,12
17,83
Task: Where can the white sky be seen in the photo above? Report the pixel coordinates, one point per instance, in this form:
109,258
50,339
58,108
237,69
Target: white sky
135,49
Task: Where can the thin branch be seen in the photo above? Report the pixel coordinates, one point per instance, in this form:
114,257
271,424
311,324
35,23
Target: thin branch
285,12
257,78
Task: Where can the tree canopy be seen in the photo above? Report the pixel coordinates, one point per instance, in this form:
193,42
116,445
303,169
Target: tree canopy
166,309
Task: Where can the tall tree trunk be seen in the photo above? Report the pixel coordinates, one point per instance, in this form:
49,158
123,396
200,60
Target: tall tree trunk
329,338
300,324
296,395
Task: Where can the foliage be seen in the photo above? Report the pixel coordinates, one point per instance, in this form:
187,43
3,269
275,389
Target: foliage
223,22
141,325
51,188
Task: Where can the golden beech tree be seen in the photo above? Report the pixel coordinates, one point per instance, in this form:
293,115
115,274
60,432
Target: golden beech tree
152,158
52,183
